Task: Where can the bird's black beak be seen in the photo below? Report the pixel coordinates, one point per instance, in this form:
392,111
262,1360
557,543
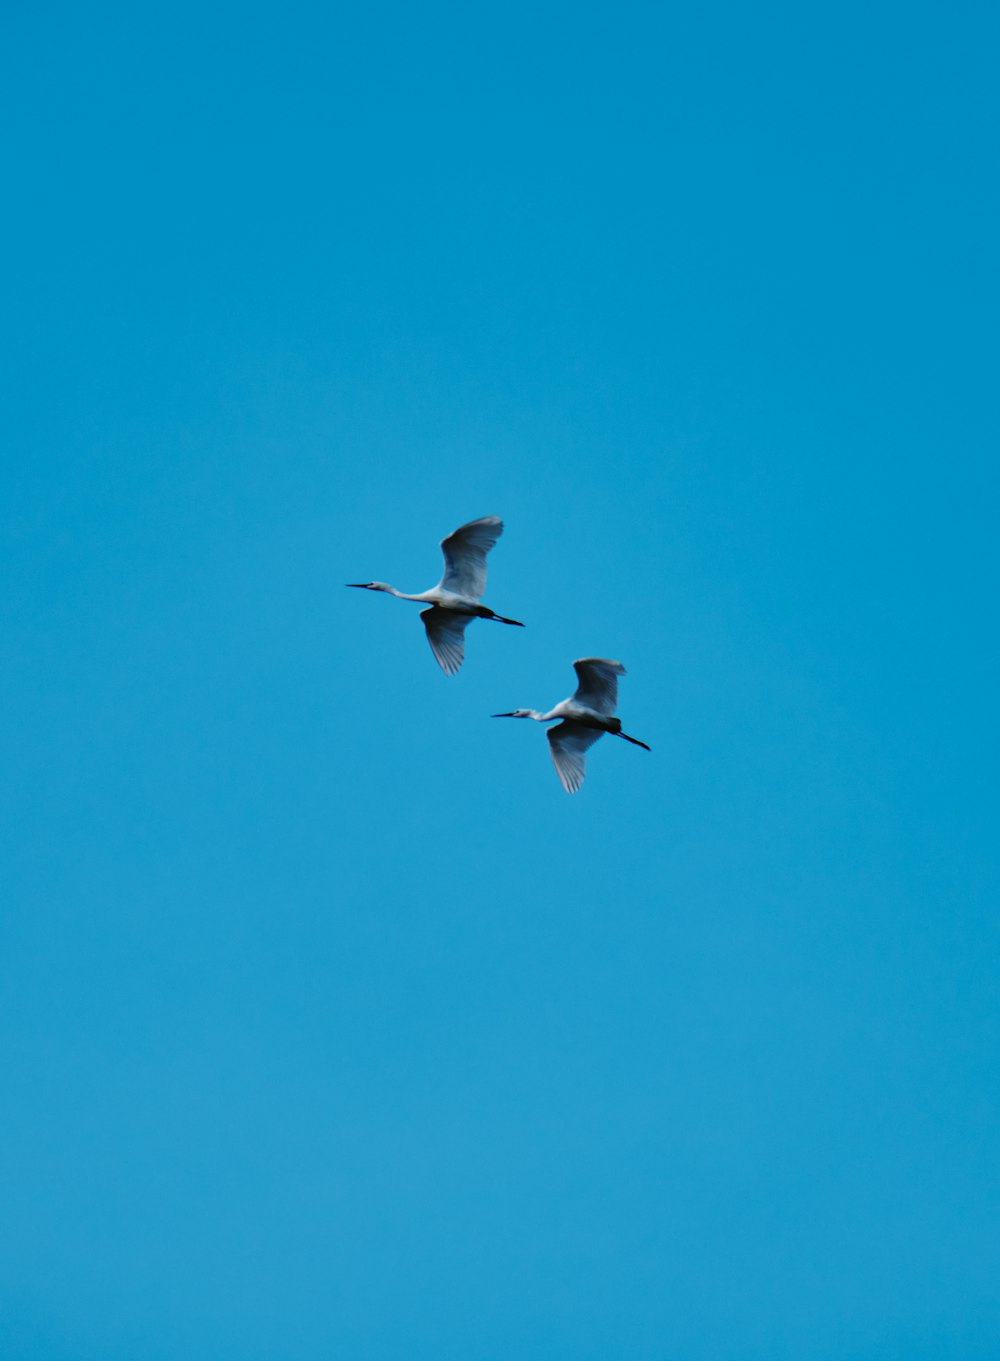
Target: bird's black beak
361,585
501,715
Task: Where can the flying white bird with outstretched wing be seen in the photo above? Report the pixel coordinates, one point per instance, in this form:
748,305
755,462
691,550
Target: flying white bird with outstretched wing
455,601
587,715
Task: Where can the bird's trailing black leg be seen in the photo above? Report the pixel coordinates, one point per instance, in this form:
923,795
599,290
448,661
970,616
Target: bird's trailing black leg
484,612
633,739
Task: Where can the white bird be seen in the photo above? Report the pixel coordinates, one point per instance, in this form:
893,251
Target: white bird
586,716
454,601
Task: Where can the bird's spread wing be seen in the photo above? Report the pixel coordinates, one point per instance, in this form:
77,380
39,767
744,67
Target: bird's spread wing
446,635
465,555
569,743
598,688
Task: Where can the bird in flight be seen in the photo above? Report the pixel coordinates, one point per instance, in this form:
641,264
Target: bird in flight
454,601
584,717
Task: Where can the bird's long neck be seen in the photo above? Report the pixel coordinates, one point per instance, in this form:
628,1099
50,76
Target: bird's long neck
402,595
543,718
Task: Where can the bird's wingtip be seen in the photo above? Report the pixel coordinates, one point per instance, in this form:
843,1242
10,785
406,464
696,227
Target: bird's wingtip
603,661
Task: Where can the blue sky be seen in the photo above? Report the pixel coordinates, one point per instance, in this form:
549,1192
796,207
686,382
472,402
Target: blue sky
331,1026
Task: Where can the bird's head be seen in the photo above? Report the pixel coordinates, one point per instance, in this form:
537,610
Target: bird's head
515,713
370,585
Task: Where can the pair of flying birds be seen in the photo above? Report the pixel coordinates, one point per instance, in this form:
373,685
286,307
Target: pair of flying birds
453,604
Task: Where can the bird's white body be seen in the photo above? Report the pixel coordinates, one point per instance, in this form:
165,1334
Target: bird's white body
451,600
580,713
455,601
582,719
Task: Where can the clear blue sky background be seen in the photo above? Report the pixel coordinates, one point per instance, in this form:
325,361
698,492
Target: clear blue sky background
331,1026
